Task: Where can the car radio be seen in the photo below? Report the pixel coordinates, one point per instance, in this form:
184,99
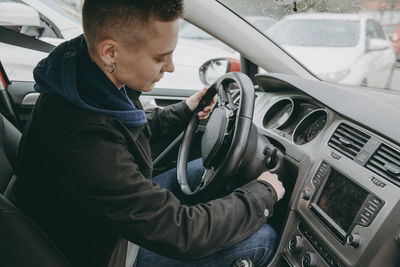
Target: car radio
340,204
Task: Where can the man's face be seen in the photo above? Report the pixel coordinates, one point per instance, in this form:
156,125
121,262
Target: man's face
141,69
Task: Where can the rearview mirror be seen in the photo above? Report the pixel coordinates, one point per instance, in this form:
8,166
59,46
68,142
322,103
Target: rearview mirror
378,44
212,69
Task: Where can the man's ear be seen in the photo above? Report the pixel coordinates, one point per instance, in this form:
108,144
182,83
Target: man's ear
107,50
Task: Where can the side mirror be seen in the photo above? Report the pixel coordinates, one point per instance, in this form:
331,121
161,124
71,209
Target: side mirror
20,17
212,69
377,44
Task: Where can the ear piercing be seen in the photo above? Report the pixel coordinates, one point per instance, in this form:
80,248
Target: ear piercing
113,67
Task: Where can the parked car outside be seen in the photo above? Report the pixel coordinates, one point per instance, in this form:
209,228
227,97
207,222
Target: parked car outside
344,48
393,32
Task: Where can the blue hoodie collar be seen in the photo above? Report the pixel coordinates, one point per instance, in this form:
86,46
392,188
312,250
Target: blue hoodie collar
69,72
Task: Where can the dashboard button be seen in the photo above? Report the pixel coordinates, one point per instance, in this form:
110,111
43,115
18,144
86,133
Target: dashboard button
366,213
363,221
371,207
295,244
309,259
306,194
354,240
362,156
376,201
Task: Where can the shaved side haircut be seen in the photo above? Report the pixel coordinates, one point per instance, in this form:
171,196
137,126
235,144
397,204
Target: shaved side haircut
128,21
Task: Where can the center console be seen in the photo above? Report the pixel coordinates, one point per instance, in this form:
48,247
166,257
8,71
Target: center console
340,204
338,220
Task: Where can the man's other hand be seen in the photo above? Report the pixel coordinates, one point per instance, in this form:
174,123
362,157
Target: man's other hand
194,100
273,180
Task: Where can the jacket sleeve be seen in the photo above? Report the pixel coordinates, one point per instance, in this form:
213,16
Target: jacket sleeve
108,185
171,120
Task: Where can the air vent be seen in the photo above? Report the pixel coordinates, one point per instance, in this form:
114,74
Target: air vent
386,163
348,140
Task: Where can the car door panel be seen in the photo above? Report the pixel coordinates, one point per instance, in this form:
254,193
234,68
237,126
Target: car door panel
22,98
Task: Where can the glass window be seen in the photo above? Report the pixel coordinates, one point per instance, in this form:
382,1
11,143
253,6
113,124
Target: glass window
378,29
316,32
371,33
331,37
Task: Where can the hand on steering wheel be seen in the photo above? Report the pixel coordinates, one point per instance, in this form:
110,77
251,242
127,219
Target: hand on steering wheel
194,100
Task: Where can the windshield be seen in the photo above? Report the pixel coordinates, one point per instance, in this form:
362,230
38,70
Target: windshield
340,41
352,42
318,32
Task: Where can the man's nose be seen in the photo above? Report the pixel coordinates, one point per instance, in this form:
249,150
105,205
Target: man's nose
169,66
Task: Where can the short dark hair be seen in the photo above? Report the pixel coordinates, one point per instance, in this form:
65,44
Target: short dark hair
125,18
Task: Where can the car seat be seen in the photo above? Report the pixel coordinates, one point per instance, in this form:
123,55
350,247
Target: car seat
22,243
9,140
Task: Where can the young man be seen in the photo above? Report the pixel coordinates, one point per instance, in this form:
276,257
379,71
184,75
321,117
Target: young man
85,163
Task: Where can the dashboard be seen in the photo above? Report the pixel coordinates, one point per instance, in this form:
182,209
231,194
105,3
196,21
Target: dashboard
345,206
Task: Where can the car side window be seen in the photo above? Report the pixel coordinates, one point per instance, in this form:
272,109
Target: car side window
48,30
379,31
194,48
371,32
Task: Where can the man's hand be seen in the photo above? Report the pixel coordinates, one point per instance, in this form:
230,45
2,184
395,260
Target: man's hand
194,100
273,180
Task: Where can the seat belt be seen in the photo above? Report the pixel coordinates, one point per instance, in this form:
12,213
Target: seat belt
18,39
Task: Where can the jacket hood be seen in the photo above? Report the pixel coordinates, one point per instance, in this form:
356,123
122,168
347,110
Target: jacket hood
69,72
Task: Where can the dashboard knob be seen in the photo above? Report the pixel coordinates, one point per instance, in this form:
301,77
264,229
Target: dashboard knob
306,194
354,240
309,260
295,244
270,156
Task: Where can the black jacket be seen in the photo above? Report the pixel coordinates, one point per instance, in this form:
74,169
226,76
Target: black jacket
84,178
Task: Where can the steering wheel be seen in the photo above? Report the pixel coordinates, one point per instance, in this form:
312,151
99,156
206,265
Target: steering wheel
225,139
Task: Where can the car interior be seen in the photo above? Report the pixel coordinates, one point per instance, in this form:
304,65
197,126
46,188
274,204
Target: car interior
336,149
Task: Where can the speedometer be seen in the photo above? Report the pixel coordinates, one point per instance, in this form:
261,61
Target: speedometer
278,114
310,126
315,128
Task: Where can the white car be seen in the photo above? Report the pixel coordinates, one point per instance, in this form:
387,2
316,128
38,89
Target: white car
50,21
343,48
59,22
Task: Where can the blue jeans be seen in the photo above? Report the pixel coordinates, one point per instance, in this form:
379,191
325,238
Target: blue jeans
258,247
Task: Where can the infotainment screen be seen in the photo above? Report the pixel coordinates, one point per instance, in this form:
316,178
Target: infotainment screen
341,199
